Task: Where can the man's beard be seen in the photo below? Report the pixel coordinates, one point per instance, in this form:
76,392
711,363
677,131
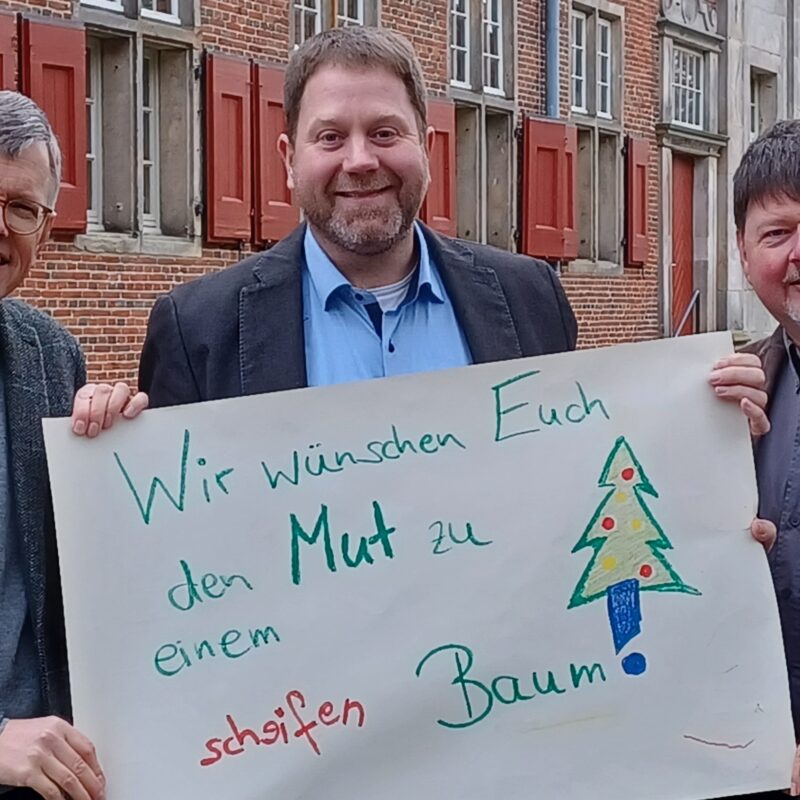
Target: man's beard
791,306
370,231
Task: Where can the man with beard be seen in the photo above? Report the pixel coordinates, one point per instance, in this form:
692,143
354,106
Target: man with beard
766,190
362,289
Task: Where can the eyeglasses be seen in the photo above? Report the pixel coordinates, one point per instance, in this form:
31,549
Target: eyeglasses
24,217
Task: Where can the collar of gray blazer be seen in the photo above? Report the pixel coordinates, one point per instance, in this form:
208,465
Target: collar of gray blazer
272,347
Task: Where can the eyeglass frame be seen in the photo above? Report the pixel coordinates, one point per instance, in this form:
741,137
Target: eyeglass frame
48,212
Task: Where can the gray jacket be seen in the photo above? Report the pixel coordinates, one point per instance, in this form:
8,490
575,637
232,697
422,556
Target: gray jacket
779,504
43,367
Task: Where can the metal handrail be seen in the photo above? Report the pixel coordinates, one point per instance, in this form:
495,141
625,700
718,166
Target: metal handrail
692,306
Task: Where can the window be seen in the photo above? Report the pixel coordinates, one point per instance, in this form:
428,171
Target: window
493,45
763,101
482,83
162,10
166,10
307,20
579,61
310,17
480,33
459,42
138,105
94,160
593,66
150,141
484,174
350,12
687,88
599,189
111,5
603,68
596,91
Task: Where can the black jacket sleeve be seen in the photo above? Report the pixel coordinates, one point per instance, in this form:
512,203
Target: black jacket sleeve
165,371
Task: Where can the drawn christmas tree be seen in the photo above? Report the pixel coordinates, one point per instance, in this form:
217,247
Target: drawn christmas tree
628,556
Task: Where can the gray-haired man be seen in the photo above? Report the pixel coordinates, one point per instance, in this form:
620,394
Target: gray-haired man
41,367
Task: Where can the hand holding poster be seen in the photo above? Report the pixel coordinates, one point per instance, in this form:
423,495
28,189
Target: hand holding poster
529,578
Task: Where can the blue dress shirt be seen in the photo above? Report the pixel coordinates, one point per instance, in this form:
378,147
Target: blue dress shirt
342,342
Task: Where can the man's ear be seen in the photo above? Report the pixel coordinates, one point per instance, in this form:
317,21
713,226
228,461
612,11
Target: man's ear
287,155
430,139
743,254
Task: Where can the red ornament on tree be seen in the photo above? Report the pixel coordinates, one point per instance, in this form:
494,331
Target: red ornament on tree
609,523
627,474
646,571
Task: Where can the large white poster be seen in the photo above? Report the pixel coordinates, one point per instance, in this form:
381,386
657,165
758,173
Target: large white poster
525,579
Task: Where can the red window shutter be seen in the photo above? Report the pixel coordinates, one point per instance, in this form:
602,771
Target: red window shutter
8,51
53,72
569,180
636,196
275,215
228,149
439,207
549,199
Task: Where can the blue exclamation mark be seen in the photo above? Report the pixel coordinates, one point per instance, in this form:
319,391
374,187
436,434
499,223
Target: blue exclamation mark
625,618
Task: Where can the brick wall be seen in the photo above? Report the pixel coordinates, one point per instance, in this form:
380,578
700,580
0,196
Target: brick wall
626,308
105,298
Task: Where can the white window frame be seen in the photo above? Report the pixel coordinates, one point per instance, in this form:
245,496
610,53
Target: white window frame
607,56
172,16
688,96
343,19
110,5
578,55
151,222
94,107
460,18
490,24
755,111
303,9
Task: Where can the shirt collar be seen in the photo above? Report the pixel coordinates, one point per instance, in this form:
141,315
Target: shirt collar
792,353
328,282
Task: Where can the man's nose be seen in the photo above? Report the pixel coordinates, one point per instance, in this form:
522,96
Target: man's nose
795,254
360,155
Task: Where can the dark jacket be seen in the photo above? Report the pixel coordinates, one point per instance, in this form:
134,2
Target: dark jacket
240,331
43,367
779,503
772,353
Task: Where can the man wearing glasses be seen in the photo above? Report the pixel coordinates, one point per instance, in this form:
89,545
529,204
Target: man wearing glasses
41,368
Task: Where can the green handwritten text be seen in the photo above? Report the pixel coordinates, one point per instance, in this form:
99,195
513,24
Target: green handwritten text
322,530
479,698
573,413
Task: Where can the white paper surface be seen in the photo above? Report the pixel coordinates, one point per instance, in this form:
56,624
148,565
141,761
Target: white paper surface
386,641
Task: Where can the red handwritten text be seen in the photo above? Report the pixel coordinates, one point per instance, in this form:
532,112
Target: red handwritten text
284,728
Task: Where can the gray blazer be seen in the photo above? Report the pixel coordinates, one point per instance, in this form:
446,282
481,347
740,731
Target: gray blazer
42,368
240,331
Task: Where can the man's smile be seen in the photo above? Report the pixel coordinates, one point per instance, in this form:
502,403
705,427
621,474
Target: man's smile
364,194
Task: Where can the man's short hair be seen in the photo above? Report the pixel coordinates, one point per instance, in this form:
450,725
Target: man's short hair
769,169
23,123
359,48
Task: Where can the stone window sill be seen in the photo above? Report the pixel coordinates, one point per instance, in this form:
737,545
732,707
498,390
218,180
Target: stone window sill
151,245
584,266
